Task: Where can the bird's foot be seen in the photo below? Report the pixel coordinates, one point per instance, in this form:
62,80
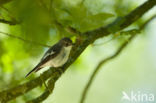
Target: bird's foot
44,83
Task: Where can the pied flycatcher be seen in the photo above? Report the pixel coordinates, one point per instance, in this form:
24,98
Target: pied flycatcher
56,56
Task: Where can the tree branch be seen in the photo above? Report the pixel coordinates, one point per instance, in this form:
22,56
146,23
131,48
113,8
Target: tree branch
80,45
120,49
133,33
8,22
46,93
121,22
27,41
148,21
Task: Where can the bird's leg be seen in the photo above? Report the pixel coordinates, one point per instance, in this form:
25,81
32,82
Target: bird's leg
44,83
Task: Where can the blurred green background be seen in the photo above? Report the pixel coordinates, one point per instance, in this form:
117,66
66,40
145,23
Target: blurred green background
39,21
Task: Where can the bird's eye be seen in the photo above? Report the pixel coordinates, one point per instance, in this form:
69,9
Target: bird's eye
67,44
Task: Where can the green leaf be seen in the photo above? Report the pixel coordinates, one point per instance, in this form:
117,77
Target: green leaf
80,18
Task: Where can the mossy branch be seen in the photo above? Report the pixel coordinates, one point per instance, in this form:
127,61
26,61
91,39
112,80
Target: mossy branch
132,33
80,45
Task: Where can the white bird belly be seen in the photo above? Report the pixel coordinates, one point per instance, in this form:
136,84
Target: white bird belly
60,59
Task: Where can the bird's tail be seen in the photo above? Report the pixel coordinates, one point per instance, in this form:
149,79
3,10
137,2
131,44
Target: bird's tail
35,69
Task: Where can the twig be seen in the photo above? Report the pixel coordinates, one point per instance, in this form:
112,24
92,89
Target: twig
148,21
121,22
8,22
10,14
130,32
98,68
27,41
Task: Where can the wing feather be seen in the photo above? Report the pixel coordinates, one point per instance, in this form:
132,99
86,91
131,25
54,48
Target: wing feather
51,53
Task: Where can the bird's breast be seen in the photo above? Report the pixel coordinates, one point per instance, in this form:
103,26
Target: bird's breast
61,58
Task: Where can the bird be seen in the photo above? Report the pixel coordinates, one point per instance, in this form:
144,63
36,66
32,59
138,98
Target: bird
56,56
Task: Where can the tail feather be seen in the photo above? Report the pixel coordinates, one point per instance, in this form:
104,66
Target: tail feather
35,69
38,69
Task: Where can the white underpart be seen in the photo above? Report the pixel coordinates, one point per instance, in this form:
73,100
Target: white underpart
60,59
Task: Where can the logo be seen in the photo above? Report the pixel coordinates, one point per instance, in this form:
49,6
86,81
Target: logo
137,97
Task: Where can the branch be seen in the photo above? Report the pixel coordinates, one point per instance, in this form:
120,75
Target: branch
14,92
130,32
102,63
13,19
8,22
80,45
46,93
26,41
121,22
147,22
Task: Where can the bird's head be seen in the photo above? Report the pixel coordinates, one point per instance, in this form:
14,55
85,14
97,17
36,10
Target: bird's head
66,42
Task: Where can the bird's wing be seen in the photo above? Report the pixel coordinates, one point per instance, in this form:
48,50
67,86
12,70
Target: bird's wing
48,53
51,53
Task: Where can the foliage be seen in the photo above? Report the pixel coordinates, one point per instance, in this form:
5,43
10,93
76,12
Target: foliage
45,22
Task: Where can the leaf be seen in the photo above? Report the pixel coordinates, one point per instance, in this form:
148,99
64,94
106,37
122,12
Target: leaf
80,18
